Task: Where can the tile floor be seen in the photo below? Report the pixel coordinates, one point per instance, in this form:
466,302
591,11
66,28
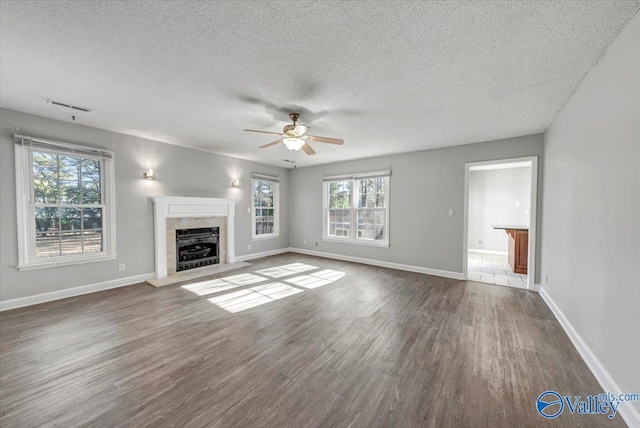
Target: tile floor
493,269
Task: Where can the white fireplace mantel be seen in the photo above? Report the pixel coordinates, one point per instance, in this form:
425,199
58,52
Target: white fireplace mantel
178,207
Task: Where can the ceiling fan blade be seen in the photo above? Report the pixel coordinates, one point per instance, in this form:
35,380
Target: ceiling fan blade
271,144
263,132
325,139
308,150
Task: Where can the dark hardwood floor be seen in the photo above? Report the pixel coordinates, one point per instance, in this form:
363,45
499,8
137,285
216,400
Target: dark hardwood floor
366,347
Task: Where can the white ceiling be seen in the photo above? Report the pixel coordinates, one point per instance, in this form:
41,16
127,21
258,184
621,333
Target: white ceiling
387,77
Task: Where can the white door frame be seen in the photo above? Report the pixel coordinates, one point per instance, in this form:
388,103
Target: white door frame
533,210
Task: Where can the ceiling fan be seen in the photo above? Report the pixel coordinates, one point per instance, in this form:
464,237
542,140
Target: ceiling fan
295,138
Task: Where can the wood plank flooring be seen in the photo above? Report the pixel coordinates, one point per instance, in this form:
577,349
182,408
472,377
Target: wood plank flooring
363,347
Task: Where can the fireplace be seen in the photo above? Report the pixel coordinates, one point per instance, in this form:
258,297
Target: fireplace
171,213
197,247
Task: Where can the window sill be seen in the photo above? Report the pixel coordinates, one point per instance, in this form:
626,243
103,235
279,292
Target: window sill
264,237
69,262
357,242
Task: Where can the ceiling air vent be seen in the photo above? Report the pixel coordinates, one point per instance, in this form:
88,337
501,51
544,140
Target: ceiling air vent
58,103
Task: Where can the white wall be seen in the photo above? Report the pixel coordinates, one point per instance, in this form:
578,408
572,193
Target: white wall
591,210
493,198
424,186
179,172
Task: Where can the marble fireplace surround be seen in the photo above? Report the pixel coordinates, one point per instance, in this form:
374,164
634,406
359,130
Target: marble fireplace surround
175,212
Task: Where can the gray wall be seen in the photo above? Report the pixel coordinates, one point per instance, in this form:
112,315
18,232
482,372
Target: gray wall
591,210
424,186
179,172
492,200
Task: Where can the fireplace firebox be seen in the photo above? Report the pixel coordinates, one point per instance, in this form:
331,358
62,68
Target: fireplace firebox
197,247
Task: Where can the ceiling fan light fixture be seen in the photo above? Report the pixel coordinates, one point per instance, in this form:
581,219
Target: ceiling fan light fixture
293,144
300,129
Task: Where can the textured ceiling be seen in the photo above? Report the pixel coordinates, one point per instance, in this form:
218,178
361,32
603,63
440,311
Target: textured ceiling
387,77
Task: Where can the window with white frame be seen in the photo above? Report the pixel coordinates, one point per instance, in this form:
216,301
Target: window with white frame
66,213
356,208
265,206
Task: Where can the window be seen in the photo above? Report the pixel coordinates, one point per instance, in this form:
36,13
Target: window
356,209
65,214
265,207
339,208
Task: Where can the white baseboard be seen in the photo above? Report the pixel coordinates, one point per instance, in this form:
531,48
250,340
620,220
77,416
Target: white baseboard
606,381
262,254
380,263
72,292
499,253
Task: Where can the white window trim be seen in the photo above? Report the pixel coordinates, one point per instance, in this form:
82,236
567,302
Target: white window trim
276,206
353,238
26,212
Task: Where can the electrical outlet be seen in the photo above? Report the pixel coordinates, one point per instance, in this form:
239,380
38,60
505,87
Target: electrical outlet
316,244
248,210
451,212
547,279
479,242
304,242
249,247
517,203
122,267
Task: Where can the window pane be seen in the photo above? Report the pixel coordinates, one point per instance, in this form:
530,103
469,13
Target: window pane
70,185
263,193
340,194
71,231
47,232
92,230
371,224
70,219
45,177
371,200
264,225
93,242
92,219
91,183
345,226
339,223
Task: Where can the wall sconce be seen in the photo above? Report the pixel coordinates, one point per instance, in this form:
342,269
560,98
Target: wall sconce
149,174
235,184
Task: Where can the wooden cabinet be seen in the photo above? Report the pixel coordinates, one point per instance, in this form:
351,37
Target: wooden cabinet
518,249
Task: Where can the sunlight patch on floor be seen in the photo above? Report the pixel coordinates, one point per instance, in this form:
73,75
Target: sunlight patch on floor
204,288
286,270
317,279
244,299
244,279
209,287
242,292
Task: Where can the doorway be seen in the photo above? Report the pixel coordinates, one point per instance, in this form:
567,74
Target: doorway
500,222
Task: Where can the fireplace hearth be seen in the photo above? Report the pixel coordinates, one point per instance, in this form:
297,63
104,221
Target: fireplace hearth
197,247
